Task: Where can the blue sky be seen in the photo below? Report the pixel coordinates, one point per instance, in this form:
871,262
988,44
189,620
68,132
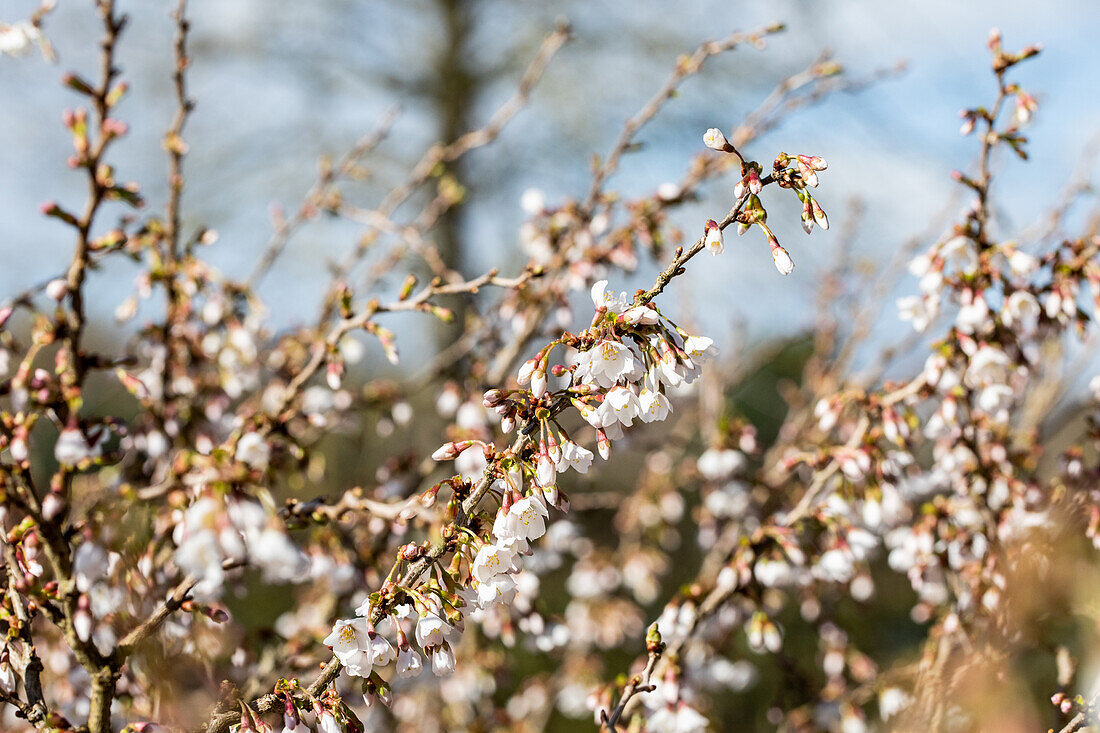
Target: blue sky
281,82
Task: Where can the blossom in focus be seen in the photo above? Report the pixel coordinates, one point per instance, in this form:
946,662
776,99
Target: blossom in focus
782,259
713,239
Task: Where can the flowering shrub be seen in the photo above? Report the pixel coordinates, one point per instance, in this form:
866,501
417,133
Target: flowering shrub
143,540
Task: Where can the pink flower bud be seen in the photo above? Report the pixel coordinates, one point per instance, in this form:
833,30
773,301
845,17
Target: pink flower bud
755,184
450,451
603,444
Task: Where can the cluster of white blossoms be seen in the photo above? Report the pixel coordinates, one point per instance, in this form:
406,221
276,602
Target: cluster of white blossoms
213,532
958,258
620,371
361,648
624,375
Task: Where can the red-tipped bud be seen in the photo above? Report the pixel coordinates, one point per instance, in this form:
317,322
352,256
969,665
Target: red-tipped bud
450,451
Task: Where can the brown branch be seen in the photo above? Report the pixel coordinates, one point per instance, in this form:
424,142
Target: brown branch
34,709
420,301
639,683
172,603
682,255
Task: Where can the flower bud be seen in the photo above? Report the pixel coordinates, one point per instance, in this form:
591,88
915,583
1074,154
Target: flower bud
715,140
814,162
819,215
755,184
525,371
52,506
334,374
603,444
450,451
969,118
807,216
809,177
57,289
783,261
538,382
713,240
653,642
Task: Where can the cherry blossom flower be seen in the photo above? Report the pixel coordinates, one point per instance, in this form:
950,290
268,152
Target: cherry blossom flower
443,659
72,447
715,140
524,520
606,363
16,39
621,404
713,241
409,662
917,309
574,456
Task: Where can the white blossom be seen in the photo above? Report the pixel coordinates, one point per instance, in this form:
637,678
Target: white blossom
716,464
574,456
622,404
1021,310
782,260
350,642
713,239
678,718
917,309
524,520
443,660
16,39
72,447
606,363
409,662
432,629
253,450
609,299
959,252
653,406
